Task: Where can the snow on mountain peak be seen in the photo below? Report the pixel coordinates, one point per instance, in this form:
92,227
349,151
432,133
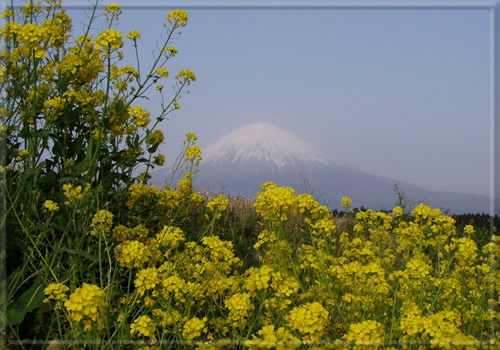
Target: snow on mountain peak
264,141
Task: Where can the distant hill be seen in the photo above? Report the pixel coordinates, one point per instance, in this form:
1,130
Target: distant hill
240,162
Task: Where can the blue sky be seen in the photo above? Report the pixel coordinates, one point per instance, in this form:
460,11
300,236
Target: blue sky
399,93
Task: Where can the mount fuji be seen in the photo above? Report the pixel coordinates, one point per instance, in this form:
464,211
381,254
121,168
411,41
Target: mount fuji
241,161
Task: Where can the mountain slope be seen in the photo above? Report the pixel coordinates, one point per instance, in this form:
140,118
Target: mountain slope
243,160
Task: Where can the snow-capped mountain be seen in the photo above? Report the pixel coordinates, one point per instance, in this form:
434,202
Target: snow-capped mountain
241,161
266,143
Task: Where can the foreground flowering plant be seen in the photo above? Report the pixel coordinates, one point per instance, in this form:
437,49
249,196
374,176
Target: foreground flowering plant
391,282
107,260
73,131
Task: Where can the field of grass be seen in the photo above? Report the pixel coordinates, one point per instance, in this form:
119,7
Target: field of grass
94,257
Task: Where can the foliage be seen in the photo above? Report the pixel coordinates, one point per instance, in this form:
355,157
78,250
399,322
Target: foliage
106,260
73,135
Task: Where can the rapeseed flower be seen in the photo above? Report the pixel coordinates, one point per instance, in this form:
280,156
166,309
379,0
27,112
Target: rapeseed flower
131,254
159,159
178,18
346,203
310,319
162,72
56,292
51,206
109,39
368,334
170,237
146,279
194,328
171,50
87,303
186,76
102,221
217,206
134,35
140,116
155,138
144,326
239,306
74,194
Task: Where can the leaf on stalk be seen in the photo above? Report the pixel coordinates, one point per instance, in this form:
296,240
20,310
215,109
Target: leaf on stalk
29,301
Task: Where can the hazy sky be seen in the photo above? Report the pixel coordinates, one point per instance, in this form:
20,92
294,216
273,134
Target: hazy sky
400,93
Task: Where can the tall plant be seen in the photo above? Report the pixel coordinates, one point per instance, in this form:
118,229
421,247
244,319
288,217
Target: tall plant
73,135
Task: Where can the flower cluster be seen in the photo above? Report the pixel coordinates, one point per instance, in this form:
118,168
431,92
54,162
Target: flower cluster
178,18
102,222
309,319
87,304
51,206
217,206
143,326
57,293
74,194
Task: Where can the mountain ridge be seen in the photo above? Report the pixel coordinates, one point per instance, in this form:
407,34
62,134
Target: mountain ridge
241,161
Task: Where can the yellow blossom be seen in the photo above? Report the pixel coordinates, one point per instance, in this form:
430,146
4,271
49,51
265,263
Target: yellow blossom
134,35
87,303
51,206
56,292
143,326
346,202
178,18
193,328
102,221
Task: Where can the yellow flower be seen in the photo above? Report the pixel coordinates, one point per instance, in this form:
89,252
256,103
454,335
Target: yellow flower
134,35
178,18
155,138
132,254
56,292
469,229
110,38
258,279
217,206
281,339
163,72
144,326
159,159
398,211
186,76
112,8
87,302
367,333
51,206
173,284
172,50
146,279
275,203
346,202
74,194
103,220
7,13
194,328
239,306
140,116
170,237
309,319
193,155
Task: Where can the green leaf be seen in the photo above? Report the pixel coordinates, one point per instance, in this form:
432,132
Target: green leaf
49,178
27,302
77,252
